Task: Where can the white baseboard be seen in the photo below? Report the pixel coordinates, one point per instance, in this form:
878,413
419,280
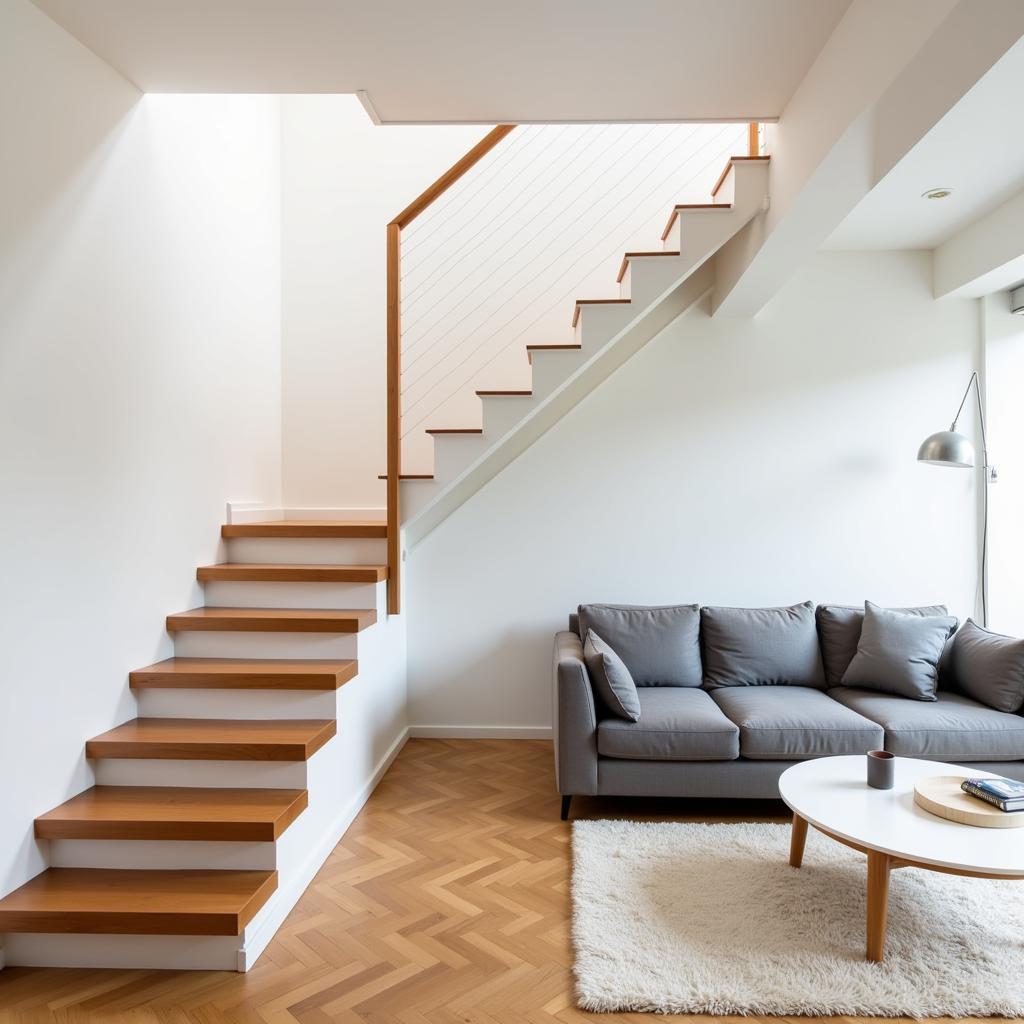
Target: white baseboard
284,899
257,512
480,732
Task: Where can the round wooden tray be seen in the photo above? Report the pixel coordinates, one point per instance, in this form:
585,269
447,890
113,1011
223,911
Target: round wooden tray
942,795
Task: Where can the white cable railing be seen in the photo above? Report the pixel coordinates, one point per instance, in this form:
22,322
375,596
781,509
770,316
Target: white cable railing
498,261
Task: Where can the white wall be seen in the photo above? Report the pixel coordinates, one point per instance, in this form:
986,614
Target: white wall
139,385
343,179
1004,372
756,462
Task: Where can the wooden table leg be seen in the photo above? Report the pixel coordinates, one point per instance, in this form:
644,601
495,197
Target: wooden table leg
878,903
797,841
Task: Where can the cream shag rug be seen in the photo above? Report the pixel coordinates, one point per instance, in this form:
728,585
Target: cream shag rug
693,918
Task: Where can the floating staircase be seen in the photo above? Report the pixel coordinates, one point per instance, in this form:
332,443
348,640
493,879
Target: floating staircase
217,796
655,287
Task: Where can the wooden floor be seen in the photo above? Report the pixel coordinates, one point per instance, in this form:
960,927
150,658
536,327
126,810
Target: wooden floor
447,901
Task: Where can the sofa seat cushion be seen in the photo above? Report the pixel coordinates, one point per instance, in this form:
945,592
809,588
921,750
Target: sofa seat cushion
787,723
951,728
676,724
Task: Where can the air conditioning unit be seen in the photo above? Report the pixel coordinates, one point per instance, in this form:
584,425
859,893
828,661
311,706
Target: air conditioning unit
1017,300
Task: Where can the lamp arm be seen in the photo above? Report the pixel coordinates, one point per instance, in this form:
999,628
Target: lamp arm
981,415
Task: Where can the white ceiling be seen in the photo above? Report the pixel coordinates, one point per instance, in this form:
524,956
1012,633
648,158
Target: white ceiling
977,149
472,60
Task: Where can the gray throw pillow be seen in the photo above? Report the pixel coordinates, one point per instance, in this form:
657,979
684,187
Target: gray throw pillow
839,632
611,678
899,652
761,647
659,645
989,667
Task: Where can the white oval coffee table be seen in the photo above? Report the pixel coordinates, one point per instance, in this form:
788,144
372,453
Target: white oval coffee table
832,794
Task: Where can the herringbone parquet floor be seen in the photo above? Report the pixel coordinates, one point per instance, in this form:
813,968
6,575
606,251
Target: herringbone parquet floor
446,901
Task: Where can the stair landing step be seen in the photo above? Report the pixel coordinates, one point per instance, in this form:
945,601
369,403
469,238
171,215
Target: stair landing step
213,739
174,813
272,620
103,901
234,674
308,528
273,572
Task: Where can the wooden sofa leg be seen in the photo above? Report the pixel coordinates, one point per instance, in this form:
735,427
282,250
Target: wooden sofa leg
566,801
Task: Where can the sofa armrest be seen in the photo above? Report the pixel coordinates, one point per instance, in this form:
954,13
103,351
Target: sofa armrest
575,719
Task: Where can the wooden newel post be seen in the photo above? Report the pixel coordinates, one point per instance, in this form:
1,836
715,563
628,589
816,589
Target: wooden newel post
394,417
753,139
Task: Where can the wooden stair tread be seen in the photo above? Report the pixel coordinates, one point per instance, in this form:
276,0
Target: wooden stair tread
273,572
105,901
455,430
530,349
272,620
690,206
308,528
213,739
728,168
408,476
174,813
496,394
632,255
238,674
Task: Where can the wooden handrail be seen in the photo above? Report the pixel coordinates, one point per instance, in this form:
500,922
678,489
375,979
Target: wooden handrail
394,346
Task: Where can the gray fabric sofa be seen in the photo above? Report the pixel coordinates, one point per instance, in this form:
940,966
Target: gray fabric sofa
707,737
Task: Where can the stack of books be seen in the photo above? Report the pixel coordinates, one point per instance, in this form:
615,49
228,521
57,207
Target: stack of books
1005,794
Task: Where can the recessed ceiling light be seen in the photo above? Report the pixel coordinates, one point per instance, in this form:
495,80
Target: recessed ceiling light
936,193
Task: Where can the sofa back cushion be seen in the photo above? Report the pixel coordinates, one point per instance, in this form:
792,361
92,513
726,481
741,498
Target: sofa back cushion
839,627
899,652
761,647
659,645
989,667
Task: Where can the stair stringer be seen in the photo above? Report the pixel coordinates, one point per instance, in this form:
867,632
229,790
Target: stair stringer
574,389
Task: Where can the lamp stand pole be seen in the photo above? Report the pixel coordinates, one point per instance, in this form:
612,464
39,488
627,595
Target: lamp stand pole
989,475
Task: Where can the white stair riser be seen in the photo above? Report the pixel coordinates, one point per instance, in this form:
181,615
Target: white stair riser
417,495
598,323
294,595
129,952
118,771
158,854
308,550
454,452
213,644
649,278
551,369
257,704
502,413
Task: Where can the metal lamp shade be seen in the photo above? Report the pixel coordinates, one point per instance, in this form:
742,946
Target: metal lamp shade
947,448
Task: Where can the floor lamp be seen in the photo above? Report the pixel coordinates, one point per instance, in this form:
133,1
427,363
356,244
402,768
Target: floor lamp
950,448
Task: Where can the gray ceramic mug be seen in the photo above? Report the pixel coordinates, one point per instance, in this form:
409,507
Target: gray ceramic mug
881,769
